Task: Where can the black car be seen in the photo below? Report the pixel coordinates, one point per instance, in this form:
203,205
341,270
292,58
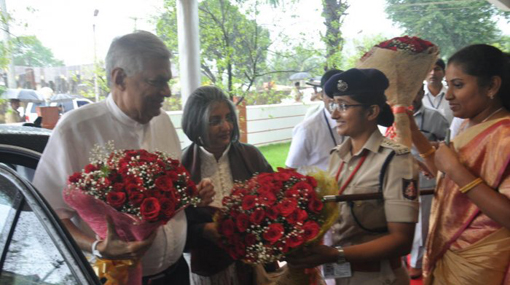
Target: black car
35,246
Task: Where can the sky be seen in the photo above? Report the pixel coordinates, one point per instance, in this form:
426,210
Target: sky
66,26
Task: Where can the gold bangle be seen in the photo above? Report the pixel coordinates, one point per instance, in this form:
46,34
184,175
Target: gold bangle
428,153
471,185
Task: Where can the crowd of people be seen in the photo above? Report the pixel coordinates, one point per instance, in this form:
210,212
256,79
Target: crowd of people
467,242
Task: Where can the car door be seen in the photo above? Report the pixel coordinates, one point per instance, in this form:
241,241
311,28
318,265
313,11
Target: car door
35,247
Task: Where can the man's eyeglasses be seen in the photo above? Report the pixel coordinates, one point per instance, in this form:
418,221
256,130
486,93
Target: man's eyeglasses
342,107
158,83
214,122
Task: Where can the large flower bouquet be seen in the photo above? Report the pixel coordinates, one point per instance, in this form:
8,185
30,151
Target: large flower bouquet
406,62
139,190
273,214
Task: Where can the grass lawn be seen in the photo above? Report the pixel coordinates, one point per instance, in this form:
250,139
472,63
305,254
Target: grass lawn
276,154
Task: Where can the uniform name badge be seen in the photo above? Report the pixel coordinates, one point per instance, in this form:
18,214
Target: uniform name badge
335,270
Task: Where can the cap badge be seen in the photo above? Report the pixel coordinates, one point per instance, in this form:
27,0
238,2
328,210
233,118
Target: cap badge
342,86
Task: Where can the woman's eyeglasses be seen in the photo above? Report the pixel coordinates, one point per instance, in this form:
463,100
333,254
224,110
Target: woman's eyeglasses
219,121
342,107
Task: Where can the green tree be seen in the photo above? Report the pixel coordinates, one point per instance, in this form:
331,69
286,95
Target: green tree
334,13
233,46
361,46
29,51
450,24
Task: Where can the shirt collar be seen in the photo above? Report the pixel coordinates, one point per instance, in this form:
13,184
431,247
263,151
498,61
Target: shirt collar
427,91
372,144
118,114
210,155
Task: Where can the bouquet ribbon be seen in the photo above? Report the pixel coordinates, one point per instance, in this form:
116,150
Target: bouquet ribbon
116,272
400,109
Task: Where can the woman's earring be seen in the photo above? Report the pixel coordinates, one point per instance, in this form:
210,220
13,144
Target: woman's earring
491,95
200,140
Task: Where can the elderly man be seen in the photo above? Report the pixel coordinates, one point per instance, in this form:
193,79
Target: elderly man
138,71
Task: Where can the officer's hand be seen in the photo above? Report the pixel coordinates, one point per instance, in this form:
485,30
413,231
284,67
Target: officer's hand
312,256
211,232
206,192
114,248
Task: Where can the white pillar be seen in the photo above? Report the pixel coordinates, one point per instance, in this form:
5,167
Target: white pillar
189,46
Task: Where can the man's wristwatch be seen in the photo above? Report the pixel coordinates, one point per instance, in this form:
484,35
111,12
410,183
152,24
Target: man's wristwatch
94,250
341,255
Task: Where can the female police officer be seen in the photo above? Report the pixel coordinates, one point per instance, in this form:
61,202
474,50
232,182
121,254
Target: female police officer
369,237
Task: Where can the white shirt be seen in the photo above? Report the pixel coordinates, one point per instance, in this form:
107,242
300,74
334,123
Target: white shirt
219,173
438,103
312,141
68,151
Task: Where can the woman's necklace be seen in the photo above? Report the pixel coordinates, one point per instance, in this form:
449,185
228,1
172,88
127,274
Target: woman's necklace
493,113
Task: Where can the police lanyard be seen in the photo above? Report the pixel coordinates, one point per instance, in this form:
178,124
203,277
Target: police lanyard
329,127
362,159
440,100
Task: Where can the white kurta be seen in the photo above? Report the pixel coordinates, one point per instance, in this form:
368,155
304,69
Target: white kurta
438,103
68,151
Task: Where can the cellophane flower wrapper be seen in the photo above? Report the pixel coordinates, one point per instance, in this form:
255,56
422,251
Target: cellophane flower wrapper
139,190
405,61
273,214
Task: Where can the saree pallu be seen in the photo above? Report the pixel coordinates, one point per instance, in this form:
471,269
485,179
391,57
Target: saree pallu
464,245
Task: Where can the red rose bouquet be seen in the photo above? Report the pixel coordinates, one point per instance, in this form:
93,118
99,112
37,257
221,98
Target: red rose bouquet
139,190
406,62
275,213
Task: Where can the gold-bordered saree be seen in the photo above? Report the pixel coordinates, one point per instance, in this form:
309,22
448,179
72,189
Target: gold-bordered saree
465,246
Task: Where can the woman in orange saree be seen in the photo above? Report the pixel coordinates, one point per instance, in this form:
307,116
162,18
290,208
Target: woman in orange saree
469,237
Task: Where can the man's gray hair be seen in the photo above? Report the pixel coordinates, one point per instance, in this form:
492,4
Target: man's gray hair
131,51
196,113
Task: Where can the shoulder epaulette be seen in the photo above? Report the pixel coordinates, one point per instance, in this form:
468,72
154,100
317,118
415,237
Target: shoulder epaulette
399,149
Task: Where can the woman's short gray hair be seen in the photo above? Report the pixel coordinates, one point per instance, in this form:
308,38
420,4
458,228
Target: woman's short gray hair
195,117
130,52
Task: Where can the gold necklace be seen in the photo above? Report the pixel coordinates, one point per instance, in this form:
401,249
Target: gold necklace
493,113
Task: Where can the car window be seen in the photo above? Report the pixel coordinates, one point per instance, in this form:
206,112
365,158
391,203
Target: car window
67,106
81,103
32,257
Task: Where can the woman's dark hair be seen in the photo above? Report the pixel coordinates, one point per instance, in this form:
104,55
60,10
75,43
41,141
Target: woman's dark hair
386,117
195,117
484,62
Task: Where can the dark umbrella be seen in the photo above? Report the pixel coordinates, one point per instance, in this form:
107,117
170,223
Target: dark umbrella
25,95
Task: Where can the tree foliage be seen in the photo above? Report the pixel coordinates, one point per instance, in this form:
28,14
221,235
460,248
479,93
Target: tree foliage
233,47
450,24
29,51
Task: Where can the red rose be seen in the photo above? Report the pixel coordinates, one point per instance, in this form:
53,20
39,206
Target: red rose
283,247
242,222
293,192
131,187
257,216
250,239
116,199
294,241
298,216
164,183
75,177
150,209
267,198
287,206
249,202
311,229
118,187
273,233
168,207
136,198
311,181
90,168
315,205
272,213
227,227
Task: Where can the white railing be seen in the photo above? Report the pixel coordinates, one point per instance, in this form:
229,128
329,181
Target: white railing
266,124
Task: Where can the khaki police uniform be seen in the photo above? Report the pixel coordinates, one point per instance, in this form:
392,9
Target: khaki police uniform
363,221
